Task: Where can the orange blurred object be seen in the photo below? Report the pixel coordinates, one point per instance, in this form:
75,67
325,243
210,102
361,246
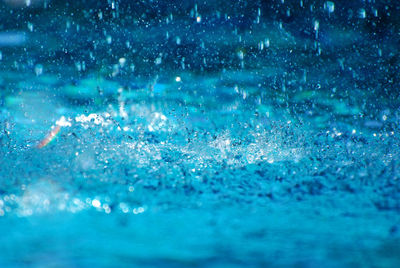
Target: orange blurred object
49,137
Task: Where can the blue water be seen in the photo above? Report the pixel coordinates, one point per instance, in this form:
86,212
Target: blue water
221,134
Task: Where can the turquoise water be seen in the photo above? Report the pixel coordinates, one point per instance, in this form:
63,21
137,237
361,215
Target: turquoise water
221,134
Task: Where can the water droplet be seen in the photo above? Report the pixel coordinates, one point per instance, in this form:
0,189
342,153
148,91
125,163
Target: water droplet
38,69
96,203
330,6
30,26
362,13
122,62
158,60
316,25
240,54
261,45
109,39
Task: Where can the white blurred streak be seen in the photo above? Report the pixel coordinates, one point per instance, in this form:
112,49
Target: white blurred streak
25,3
8,39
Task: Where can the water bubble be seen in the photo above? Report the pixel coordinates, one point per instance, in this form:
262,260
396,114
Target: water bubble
107,208
124,207
138,210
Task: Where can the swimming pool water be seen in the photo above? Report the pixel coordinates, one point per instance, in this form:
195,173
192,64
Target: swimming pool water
193,135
